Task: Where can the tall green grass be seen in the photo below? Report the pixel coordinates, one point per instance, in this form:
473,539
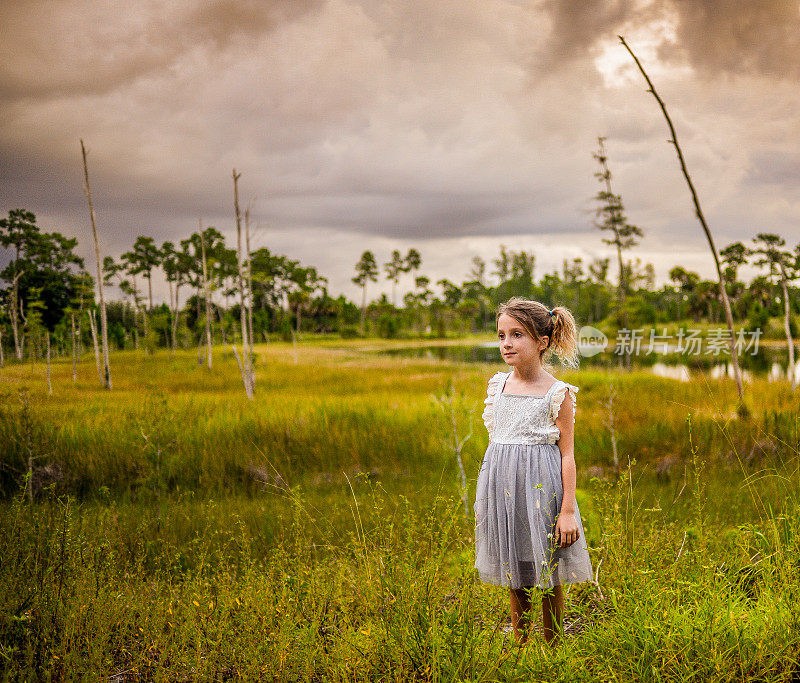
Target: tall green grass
164,555
171,425
366,584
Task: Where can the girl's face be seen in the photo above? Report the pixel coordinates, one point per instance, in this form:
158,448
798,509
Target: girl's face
516,345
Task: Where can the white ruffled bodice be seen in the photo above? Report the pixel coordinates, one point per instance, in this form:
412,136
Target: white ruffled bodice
518,419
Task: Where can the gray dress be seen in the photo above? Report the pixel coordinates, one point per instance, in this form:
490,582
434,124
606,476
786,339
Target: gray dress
519,493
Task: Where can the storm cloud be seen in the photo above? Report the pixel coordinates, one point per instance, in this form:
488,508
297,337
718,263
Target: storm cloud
449,126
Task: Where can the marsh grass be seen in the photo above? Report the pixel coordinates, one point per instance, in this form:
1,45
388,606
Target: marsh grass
159,556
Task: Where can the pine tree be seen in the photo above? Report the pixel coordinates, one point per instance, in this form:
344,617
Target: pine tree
366,270
611,217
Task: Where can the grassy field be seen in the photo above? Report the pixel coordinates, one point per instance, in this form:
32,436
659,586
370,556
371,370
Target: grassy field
179,531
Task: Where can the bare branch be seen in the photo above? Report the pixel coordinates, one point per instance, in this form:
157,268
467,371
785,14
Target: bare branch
699,212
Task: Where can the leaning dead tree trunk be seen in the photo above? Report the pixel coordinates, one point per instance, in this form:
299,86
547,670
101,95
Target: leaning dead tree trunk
49,384
198,298
93,328
247,388
74,349
205,294
25,332
14,315
699,212
103,318
247,361
249,284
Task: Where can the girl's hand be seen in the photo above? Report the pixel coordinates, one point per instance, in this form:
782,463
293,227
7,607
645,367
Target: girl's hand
567,530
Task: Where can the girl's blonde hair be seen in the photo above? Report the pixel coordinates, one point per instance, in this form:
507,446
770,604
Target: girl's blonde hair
539,321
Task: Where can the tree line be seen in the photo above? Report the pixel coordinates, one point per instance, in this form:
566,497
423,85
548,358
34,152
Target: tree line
46,289
221,294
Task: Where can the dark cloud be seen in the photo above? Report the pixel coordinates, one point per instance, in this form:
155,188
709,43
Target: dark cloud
728,36
731,36
577,26
224,20
61,48
389,124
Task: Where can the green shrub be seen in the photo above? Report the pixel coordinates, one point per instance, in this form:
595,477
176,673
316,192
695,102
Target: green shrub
388,326
349,332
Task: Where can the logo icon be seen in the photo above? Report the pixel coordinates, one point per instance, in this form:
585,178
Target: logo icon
591,341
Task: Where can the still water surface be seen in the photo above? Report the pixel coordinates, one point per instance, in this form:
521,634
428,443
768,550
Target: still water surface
769,362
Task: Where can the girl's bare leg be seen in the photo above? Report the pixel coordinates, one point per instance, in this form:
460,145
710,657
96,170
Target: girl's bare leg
520,613
553,614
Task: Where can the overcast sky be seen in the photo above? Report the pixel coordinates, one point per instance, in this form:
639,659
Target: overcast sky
450,126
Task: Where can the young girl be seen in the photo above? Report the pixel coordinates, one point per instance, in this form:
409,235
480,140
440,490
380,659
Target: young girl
528,528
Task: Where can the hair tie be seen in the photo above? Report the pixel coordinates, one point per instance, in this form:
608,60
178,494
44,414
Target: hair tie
550,313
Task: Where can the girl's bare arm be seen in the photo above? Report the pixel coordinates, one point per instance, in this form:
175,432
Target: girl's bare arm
567,531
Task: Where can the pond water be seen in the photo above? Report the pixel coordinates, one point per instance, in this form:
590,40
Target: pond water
769,362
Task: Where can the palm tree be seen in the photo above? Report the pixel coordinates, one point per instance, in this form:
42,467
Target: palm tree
210,241
393,269
306,281
366,269
147,256
177,269
413,261
131,267
781,266
733,257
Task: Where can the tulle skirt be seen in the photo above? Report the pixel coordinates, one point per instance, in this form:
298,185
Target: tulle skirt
518,499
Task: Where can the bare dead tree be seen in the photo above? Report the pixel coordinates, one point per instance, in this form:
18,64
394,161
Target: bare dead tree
24,334
93,328
200,337
35,350
452,405
205,294
248,389
247,361
49,385
699,212
249,284
74,348
13,306
103,317
2,359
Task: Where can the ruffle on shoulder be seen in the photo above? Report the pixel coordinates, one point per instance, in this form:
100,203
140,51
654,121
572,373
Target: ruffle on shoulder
493,388
558,398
